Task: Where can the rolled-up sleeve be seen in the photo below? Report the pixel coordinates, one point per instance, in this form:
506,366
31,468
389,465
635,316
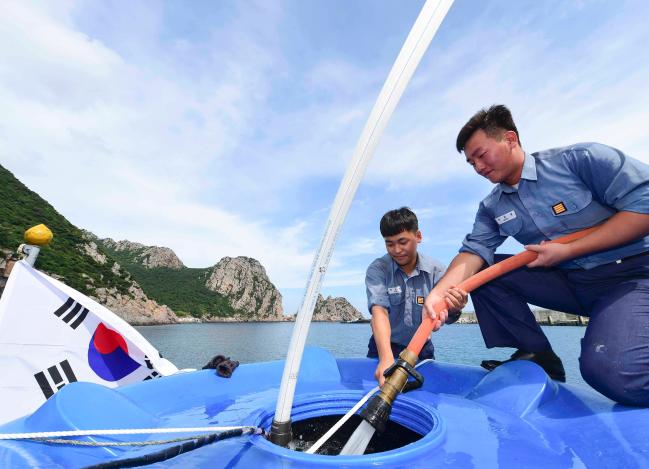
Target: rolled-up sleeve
614,178
375,285
485,237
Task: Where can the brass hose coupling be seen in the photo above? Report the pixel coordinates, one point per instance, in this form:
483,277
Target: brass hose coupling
377,412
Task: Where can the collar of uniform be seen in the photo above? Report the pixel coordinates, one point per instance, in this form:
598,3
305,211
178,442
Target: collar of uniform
423,264
529,173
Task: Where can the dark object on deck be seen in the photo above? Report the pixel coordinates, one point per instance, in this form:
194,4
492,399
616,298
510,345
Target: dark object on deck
548,360
223,365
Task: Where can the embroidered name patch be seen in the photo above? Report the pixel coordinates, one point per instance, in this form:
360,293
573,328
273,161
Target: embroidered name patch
506,217
559,208
420,300
393,290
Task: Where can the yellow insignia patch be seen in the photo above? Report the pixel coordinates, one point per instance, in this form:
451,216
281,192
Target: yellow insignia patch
420,300
559,208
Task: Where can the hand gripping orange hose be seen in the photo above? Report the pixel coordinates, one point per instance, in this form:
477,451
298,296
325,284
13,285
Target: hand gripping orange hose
482,277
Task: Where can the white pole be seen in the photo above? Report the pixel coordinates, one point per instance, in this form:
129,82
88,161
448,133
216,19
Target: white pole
430,18
32,253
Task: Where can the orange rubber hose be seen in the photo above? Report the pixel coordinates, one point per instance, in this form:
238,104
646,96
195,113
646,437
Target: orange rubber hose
482,277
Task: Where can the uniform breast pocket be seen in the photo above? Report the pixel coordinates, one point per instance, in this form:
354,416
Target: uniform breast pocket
396,298
570,202
509,224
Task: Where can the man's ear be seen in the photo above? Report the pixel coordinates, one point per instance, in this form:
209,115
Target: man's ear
418,236
511,137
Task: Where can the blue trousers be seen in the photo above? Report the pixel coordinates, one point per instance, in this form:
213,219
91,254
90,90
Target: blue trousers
427,351
614,356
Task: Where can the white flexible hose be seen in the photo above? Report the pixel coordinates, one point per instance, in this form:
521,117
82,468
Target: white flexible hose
430,18
324,438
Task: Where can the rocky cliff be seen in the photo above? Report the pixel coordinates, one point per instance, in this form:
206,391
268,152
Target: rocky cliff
143,284
134,306
150,257
73,256
244,282
335,310
235,289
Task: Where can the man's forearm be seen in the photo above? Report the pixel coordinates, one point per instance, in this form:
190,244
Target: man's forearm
621,228
382,331
463,266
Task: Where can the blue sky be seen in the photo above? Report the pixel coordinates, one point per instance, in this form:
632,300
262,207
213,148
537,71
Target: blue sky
224,128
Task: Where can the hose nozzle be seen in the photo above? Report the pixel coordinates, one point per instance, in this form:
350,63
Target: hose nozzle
377,412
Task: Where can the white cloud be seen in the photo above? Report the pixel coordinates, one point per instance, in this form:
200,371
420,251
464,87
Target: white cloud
125,151
57,65
201,235
211,139
584,90
341,79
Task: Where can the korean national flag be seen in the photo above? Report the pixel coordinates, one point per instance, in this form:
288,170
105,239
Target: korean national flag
52,335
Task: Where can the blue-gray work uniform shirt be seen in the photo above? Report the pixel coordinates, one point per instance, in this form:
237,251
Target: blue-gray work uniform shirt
402,295
561,191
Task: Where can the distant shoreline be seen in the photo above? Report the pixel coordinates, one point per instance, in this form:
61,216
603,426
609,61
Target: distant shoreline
543,317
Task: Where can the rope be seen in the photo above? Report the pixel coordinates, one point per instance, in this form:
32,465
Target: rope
189,442
168,453
62,441
324,438
124,431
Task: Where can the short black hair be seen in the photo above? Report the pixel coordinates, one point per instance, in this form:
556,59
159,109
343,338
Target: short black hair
397,221
492,121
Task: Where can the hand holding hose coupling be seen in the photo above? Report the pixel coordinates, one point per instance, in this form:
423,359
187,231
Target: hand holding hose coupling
381,367
377,412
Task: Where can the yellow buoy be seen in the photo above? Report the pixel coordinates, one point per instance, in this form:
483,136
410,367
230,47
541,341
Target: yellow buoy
38,235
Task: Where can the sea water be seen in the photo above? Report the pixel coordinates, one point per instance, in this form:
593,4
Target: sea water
192,345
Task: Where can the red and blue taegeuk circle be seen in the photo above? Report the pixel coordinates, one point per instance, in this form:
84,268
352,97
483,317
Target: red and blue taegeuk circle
108,355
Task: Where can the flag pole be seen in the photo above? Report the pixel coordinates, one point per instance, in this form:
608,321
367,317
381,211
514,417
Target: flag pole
35,237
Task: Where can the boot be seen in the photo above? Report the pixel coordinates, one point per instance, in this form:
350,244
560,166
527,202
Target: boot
548,360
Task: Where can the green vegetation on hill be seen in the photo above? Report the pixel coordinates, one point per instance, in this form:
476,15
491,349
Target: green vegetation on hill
183,290
21,208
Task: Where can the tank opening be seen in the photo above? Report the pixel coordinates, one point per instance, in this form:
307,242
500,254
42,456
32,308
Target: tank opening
307,431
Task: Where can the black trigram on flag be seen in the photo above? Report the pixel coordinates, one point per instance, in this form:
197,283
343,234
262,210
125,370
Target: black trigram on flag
149,365
72,313
51,380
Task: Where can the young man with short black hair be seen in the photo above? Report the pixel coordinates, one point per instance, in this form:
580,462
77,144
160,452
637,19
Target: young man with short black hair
604,275
397,285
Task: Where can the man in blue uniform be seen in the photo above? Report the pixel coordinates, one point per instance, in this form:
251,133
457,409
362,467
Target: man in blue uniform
604,275
397,284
